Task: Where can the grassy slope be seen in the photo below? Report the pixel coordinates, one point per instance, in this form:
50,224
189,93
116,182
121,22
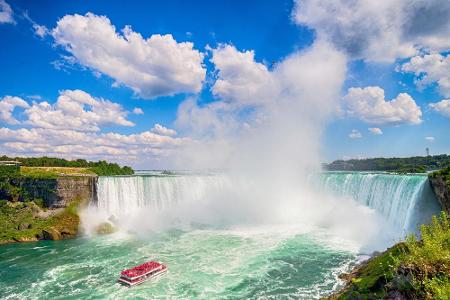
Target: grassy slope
418,269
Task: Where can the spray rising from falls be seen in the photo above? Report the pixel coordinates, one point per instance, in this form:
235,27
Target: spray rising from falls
148,202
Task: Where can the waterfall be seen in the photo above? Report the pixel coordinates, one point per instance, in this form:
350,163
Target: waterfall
122,194
405,201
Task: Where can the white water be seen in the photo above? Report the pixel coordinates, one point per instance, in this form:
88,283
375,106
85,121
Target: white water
147,201
404,201
122,195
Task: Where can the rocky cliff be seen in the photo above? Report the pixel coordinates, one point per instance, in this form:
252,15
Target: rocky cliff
56,216
441,190
58,192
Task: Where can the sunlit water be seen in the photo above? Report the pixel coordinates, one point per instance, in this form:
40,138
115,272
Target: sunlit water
206,261
203,264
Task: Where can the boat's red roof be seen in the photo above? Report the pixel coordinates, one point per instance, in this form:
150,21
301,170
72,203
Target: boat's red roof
141,269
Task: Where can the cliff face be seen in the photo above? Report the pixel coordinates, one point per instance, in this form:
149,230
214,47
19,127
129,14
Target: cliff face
60,192
56,216
441,191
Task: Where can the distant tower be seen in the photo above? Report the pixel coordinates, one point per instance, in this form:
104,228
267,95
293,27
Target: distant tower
428,151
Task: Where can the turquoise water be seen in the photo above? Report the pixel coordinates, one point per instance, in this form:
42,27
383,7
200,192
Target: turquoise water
299,259
203,264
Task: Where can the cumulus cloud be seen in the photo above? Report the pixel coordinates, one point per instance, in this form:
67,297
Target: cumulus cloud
159,129
430,138
151,67
431,68
375,131
138,111
77,110
355,134
378,30
90,145
71,128
443,107
6,13
370,105
7,106
240,79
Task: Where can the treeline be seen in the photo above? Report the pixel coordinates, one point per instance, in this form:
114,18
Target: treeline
101,167
416,164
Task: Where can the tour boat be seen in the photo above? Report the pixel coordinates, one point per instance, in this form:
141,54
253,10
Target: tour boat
141,273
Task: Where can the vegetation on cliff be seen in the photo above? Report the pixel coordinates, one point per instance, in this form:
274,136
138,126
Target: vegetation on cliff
26,221
444,174
101,167
414,269
417,164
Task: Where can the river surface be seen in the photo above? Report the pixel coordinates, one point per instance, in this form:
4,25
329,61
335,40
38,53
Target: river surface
207,261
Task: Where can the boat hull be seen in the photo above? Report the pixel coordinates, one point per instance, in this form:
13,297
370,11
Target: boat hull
142,279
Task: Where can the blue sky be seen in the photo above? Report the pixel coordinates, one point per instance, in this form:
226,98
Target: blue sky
42,60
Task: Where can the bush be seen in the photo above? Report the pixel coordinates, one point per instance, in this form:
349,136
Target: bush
9,170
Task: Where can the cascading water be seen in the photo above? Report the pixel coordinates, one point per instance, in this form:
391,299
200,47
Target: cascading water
121,195
405,201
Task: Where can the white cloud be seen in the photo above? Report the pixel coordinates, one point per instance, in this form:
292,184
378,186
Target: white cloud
75,144
161,130
240,80
151,67
443,107
355,134
7,106
71,126
40,30
375,131
6,13
430,138
379,30
369,104
429,69
138,111
76,110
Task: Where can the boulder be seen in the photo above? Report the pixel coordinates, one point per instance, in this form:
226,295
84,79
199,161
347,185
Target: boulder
105,228
51,234
65,232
